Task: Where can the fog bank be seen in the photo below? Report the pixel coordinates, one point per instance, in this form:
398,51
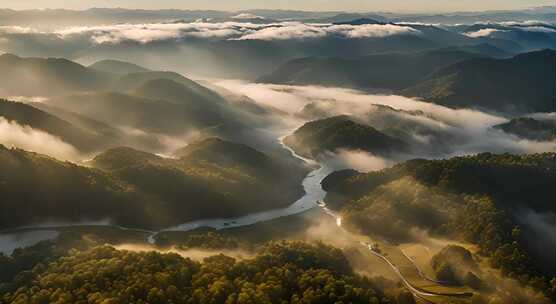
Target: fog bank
27,138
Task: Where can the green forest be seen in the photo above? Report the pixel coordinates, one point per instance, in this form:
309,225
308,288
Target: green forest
280,272
316,138
470,198
142,190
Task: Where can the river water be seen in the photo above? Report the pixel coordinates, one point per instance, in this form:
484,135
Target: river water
313,194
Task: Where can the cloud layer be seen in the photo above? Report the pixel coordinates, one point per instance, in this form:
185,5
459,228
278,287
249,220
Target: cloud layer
27,138
146,33
296,30
492,28
463,131
482,33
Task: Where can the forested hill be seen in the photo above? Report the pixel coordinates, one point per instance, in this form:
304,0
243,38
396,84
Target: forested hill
511,180
316,138
478,199
85,139
280,273
393,71
139,189
49,76
117,67
520,84
36,188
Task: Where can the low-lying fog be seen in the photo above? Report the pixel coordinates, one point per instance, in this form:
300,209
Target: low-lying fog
24,137
10,242
433,130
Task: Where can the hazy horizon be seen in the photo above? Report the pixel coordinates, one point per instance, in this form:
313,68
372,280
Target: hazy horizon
420,6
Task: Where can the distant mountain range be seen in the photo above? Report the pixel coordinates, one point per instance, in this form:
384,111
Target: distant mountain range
48,76
381,71
530,35
450,77
520,84
97,16
209,54
57,76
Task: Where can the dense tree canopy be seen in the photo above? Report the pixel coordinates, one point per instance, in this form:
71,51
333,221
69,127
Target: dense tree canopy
471,198
318,137
139,189
513,84
280,273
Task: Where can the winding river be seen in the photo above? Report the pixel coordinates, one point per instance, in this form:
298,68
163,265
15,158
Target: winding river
313,194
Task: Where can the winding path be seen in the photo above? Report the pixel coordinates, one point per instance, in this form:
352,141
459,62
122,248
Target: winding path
421,273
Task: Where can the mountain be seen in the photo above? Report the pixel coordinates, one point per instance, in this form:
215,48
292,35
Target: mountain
359,21
226,153
485,49
441,36
132,112
529,128
243,157
477,199
61,18
349,18
54,77
200,106
84,138
117,67
189,93
180,117
316,138
531,35
523,83
208,111
209,55
36,189
461,175
165,103
132,81
49,77
121,109
139,189
109,134
511,47
384,71
424,133
212,178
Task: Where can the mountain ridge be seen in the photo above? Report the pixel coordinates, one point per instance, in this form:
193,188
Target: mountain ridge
519,84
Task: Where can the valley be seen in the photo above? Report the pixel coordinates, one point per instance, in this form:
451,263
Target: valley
263,156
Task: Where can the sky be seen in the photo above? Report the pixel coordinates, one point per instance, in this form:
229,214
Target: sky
311,5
